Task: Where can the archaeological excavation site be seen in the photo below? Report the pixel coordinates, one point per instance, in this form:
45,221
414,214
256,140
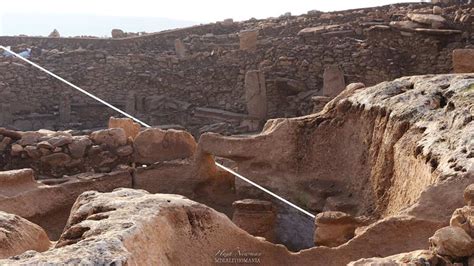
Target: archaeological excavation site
325,138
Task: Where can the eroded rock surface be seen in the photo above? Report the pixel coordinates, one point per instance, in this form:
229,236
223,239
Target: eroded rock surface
48,202
448,246
398,151
136,228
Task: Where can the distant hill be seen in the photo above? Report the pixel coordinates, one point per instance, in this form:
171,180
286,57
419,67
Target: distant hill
76,25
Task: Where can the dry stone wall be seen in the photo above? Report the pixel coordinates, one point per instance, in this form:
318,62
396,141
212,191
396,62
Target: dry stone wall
55,154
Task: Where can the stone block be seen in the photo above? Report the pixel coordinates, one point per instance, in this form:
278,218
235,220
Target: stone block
256,94
463,60
257,217
248,40
180,48
333,81
65,108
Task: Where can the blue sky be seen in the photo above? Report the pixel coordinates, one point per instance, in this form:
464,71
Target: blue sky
73,16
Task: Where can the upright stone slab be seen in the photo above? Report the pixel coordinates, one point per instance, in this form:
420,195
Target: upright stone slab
228,22
180,48
140,103
256,94
6,117
257,217
6,109
65,108
463,60
248,40
333,81
130,106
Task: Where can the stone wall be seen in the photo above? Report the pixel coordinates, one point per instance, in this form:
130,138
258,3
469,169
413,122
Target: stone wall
156,42
53,154
200,83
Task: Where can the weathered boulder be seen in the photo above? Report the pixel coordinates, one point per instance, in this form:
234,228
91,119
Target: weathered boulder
45,145
33,152
469,195
11,133
464,218
56,159
4,143
128,125
463,60
113,137
156,145
30,138
16,149
18,235
124,150
78,146
453,242
60,140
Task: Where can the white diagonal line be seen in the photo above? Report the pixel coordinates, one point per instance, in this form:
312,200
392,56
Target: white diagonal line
148,126
76,87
